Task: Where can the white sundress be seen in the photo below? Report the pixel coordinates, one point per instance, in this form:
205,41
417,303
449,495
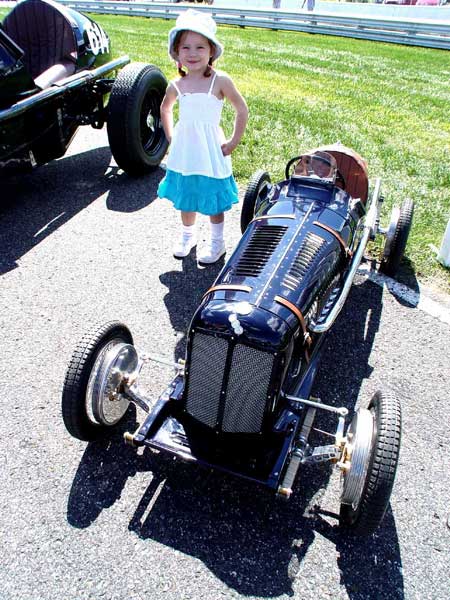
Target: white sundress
199,177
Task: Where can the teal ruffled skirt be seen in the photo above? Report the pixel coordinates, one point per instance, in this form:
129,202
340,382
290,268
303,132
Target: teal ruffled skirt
198,193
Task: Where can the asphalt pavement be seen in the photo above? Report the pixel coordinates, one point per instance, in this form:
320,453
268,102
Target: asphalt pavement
81,243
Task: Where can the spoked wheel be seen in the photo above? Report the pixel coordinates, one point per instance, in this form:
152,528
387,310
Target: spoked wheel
135,131
257,188
92,400
396,237
369,464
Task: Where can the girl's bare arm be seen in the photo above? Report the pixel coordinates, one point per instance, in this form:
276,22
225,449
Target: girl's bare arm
232,94
167,111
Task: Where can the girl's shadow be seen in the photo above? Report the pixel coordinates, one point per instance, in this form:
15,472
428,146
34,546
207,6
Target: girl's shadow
185,291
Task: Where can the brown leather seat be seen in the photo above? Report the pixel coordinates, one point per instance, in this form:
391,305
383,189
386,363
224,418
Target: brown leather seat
353,169
47,39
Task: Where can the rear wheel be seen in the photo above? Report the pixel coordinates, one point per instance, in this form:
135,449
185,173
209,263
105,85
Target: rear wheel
370,462
135,131
91,399
257,188
397,237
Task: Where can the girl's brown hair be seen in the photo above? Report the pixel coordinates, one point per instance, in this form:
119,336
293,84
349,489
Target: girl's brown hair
176,45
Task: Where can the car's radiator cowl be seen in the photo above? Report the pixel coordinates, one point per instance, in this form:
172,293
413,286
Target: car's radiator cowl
227,384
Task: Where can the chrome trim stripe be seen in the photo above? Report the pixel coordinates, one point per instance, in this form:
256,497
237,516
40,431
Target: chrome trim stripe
273,217
369,230
276,267
228,288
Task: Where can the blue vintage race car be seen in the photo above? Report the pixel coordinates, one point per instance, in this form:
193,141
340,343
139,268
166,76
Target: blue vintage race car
241,400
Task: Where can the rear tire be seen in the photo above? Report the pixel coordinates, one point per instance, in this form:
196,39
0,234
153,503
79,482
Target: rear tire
395,247
77,419
364,516
136,136
257,186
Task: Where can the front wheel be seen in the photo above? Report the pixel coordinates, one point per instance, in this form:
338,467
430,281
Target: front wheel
257,188
369,464
92,401
396,238
136,136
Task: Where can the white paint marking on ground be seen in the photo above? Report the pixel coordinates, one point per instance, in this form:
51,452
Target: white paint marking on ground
420,300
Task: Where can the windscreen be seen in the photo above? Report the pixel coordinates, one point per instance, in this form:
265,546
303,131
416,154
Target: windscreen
318,165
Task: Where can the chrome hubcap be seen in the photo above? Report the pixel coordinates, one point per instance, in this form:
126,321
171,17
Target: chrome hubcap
116,364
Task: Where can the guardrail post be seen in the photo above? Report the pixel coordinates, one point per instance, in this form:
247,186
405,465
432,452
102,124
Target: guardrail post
444,251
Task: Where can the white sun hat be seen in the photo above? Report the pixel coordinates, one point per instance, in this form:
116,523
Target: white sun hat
199,22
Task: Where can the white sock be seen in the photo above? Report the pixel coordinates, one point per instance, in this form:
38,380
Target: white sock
217,231
188,231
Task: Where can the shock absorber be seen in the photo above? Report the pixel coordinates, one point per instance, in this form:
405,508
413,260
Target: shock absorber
285,489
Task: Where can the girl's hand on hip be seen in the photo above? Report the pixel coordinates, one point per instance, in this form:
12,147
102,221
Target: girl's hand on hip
228,148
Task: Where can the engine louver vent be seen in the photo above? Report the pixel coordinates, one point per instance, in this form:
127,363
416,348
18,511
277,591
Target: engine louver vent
248,385
207,367
260,248
303,260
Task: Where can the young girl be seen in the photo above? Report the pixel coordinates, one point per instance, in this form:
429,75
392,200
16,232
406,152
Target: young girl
199,176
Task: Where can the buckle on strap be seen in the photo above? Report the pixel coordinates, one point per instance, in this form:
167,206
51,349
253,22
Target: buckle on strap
298,313
347,251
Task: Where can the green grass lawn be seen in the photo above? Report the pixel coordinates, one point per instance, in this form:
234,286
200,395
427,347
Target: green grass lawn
388,102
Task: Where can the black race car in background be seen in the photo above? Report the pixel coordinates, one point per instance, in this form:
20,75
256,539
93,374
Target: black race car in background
241,400
57,73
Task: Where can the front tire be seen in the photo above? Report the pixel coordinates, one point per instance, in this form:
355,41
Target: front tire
257,187
397,238
368,485
81,419
134,126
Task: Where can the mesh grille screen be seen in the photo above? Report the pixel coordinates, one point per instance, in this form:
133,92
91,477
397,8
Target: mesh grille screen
246,396
205,378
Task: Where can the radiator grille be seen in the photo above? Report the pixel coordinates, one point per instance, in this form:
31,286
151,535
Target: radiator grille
205,378
261,246
246,396
245,399
306,254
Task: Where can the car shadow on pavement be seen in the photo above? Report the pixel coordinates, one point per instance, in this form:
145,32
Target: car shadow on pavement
35,205
254,543
102,473
405,279
407,276
371,569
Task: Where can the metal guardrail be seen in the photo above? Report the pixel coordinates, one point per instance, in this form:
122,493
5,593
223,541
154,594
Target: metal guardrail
414,32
